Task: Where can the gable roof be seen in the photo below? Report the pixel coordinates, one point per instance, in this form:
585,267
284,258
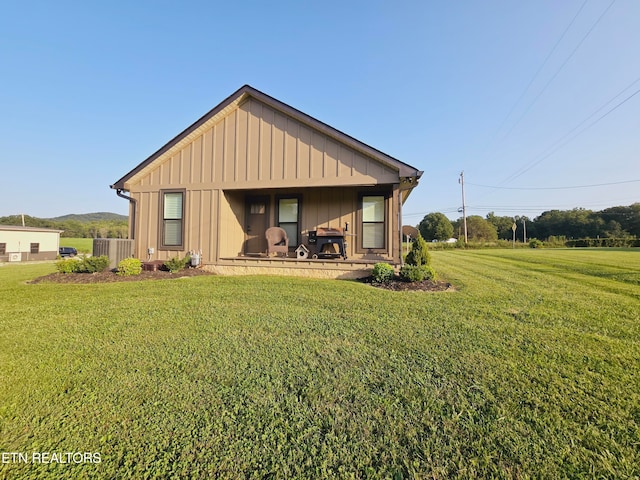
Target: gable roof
405,171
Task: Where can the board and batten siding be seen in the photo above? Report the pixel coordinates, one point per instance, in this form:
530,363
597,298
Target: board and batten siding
214,219
255,148
200,223
255,144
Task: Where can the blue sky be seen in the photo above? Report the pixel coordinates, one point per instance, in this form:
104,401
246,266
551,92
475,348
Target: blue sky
528,96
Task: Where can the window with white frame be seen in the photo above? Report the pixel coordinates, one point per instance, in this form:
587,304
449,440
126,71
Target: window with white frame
172,219
373,221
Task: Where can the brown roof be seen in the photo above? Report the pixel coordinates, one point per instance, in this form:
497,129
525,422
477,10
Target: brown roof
240,96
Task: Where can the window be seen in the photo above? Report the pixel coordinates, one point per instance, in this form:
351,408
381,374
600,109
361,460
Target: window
288,218
35,248
373,221
3,248
172,219
258,208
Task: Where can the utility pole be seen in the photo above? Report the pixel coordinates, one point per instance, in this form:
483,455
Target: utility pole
524,224
464,207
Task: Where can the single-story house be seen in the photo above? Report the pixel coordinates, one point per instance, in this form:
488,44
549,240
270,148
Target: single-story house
21,244
254,162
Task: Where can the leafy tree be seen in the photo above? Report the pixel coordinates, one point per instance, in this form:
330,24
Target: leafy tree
28,221
613,229
73,229
576,223
435,226
479,229
502,224
627,217
109,227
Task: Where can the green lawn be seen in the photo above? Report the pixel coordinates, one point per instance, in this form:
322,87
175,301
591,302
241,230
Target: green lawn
530,369
83,245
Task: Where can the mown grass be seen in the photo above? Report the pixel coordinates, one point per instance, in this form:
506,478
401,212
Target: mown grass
530,369
83,245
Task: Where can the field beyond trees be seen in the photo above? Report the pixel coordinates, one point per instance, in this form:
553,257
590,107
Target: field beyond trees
530,369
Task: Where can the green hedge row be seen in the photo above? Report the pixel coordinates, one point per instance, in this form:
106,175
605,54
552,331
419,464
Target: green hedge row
551,242
604,242
85,265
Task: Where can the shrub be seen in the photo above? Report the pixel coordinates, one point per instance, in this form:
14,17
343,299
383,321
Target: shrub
129,267
176,264
94,264
86,265
382,273
419,253
446,245
603,242
555,241
535,243
68,265
417,273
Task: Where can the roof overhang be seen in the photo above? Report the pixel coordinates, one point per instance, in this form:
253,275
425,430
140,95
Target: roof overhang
17,228
234,101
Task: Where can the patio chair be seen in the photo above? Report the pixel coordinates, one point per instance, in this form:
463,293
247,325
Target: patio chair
277,241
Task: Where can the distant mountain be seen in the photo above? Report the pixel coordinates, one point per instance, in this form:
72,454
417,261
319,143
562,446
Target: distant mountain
85,225
91,217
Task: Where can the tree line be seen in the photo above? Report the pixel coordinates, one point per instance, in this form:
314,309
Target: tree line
578,223
74,228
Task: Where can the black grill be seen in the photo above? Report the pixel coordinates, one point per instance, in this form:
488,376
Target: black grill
327,243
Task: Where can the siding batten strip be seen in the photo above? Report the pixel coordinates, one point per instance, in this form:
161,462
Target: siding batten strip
273,147
260,127
298,153
285,129
247,149
236,146
223,159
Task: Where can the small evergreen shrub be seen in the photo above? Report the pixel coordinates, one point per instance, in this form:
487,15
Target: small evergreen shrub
129,267
535,243
176,264
419,253
382,273
94,264
417,273
68,265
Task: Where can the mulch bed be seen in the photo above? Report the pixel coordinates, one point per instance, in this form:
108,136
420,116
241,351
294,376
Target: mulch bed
110,276
399,285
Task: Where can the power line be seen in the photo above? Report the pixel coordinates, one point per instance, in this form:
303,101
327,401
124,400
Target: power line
535,75
515,208
521,209
558,144
560,68
553,188
528,167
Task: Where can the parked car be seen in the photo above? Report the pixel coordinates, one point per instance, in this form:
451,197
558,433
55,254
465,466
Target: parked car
67,252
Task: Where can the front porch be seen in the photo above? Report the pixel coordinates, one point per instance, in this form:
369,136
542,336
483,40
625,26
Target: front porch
284,266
